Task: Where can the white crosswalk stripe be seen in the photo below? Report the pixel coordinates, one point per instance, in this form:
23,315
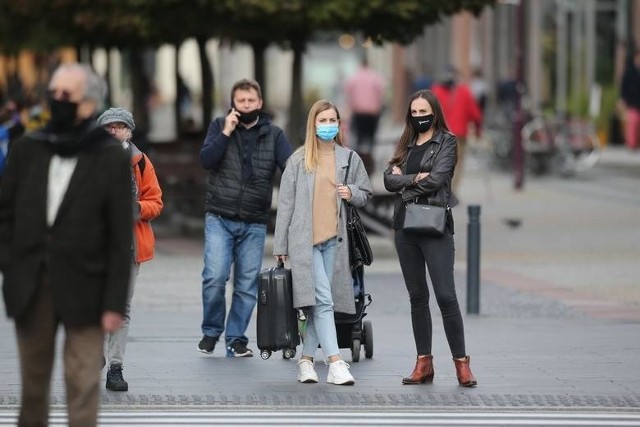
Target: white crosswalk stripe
135,418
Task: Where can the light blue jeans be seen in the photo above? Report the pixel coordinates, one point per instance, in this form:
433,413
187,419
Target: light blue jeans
229,242
321,327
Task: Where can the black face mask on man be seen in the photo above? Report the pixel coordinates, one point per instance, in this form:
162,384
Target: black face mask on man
63,114
422,124
248,118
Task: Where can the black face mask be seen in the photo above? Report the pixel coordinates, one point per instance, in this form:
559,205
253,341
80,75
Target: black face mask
422,124
249,117
63,114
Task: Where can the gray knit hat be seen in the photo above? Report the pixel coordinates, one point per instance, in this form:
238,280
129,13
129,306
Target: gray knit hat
117,115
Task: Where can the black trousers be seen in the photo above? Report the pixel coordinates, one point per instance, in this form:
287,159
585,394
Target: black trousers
365,127
437,253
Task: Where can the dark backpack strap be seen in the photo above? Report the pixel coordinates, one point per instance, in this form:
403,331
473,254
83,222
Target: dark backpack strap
142,164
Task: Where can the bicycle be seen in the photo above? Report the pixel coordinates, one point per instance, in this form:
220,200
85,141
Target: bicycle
569,146
498,130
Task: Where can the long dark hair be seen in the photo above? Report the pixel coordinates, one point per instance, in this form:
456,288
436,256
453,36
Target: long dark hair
410,134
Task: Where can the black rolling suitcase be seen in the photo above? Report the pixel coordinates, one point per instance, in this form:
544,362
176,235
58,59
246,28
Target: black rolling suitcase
277,319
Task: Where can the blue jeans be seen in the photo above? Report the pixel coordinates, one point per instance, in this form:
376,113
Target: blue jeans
229,242
321,326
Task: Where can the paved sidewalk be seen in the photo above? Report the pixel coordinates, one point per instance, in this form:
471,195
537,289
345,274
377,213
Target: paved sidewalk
558,326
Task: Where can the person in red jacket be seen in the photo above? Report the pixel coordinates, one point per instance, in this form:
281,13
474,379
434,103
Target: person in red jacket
460,110
147,197
630,94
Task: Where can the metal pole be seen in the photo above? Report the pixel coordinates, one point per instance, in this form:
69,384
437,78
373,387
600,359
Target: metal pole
518,150
577,35
473,260
562,51
590,47
534,73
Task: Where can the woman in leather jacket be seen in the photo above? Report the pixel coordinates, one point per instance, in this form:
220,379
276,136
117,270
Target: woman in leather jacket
420,171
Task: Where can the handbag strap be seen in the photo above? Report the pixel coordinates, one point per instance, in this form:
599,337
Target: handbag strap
346,174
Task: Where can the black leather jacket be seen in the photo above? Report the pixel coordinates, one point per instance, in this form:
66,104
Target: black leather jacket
439,160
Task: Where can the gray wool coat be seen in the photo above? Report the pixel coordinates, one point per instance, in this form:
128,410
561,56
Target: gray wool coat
294,230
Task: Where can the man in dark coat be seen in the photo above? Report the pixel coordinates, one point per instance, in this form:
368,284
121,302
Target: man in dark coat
65,245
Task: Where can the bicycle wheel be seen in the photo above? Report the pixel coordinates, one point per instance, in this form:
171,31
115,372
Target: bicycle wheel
537,136
500,141
538,144
584,146
563,160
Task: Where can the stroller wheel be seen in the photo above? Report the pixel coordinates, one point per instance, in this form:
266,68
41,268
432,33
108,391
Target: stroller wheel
367,330
355,350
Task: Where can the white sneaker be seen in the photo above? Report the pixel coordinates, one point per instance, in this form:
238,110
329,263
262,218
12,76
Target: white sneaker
306,373
339,373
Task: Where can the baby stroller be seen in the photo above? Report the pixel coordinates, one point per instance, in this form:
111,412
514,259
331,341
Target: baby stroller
351,330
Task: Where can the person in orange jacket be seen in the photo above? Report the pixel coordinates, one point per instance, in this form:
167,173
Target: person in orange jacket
147,196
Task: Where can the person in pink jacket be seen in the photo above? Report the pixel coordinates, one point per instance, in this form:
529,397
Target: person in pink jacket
365,95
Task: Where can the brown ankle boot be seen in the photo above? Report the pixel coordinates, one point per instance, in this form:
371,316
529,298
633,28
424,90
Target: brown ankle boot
465,377
422,373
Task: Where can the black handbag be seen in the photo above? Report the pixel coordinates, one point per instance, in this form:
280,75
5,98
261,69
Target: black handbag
429,220
359,247
425,219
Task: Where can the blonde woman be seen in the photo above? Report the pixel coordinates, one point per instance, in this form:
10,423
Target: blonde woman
311,232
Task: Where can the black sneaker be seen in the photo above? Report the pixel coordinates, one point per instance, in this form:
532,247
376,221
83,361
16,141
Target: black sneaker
239,349
115,382
207,344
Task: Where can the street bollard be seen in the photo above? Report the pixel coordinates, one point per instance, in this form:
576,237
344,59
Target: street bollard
473,260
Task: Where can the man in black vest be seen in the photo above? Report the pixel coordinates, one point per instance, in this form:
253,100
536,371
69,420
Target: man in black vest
66,217
242,152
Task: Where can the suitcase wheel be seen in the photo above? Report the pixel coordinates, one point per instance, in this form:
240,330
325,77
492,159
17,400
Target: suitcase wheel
288,353
265,354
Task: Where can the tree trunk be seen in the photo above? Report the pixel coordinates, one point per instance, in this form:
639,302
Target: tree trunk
141,91
207,83
78,52
177,116
91,58
296,125
15,88
259,69
108,77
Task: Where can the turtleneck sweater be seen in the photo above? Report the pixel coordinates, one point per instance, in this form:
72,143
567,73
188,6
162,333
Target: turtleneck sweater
325,204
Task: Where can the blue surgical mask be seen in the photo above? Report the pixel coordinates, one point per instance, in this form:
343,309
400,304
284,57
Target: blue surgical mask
327,132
